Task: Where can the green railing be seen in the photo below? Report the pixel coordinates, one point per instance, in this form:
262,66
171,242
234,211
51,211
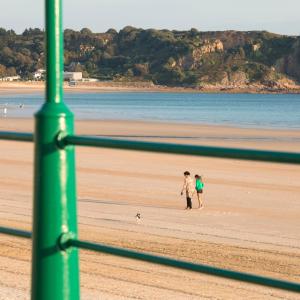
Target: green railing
55,272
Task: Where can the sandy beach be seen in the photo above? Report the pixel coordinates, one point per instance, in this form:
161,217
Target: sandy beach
23,87
251,219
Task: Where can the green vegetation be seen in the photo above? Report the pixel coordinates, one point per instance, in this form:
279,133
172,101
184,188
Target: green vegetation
173,58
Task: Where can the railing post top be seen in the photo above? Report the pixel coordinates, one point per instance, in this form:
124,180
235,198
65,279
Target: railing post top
54,51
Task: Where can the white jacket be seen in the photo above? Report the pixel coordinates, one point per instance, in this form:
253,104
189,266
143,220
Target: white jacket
188,186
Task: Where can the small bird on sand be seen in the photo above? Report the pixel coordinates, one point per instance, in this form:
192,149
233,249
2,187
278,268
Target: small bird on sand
138,217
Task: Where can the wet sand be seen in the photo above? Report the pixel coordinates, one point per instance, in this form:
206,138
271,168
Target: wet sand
251,219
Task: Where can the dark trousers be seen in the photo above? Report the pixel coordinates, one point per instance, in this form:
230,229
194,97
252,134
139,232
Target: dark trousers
188,202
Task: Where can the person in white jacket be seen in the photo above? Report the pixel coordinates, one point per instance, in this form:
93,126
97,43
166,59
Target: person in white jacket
188,188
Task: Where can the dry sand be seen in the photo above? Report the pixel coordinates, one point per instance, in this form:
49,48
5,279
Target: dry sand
251,219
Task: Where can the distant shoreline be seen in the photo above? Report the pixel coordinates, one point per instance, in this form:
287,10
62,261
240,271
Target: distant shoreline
102,87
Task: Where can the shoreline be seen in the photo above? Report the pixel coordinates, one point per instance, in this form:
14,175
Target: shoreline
103,87
36,90
204,126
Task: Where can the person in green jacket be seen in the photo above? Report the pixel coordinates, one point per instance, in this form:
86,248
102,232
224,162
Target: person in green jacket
199,189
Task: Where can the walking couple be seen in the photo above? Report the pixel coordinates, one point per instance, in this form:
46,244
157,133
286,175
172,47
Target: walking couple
189,188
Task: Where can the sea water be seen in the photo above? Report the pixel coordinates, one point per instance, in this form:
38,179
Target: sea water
240,110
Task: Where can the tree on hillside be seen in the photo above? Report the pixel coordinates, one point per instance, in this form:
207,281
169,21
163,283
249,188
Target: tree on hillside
2,71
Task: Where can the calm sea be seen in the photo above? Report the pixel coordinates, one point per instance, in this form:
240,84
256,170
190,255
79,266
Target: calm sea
241,110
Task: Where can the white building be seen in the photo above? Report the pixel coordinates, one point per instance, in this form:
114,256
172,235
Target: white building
90,79
72,76
39,74
10,78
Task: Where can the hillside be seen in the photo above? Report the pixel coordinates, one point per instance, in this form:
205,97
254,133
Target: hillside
173,58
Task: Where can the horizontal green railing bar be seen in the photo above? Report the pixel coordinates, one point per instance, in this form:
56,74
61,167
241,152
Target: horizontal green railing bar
15,232
200,268
166,261
220,152
16,136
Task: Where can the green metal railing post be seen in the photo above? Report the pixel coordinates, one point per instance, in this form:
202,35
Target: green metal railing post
55,273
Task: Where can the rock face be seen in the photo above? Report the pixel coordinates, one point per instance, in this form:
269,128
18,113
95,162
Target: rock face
209,47
234,79
290,64
193,60
256,47
250,61
238,78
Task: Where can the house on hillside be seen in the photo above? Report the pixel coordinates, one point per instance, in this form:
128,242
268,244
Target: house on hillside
90,80
39,74
72,76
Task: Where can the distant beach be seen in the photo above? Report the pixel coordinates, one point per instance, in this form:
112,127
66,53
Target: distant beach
110,86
